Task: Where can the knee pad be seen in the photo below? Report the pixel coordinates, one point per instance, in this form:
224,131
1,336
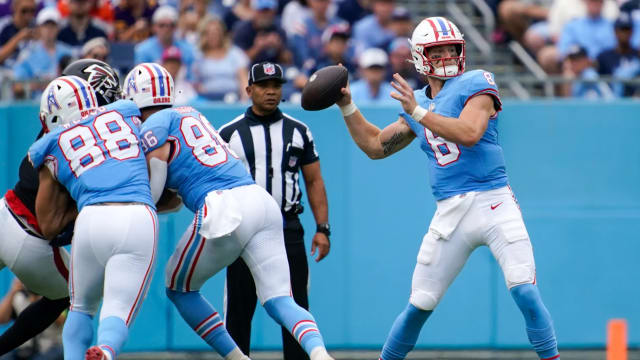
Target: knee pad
519,274
424,300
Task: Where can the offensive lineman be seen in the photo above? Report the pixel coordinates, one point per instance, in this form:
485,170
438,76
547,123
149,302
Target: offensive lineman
455,120
38,264
95,153
233,216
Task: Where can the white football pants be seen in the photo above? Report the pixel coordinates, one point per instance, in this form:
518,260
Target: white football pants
258,239
490,218
41,268
112,256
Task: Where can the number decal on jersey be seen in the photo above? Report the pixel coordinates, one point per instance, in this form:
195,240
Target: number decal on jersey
117,135
80,147
206,145
213,131
487,75
446,152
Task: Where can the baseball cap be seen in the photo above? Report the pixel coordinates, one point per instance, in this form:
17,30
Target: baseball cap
172,53
48,14
264,4
264,71
165,13
93,43
623,22
398,43
576,51
373,57
400,13
340,29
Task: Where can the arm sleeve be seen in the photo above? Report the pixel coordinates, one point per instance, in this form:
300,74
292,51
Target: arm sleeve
155,130
310,153
483,83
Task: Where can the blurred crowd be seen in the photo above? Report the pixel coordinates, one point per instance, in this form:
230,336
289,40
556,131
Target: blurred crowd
208,45
577,39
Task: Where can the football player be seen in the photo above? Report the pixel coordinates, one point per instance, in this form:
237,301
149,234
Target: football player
233,216
455,119
95,153
46,266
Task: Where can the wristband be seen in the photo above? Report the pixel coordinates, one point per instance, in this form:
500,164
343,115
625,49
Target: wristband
348,109
418,113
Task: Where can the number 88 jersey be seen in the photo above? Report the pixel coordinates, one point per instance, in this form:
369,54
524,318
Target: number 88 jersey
98,158
455,169
200,162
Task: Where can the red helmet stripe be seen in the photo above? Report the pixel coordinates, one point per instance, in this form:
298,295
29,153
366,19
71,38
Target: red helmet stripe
75,91
453,32
153,80
435,29
166,77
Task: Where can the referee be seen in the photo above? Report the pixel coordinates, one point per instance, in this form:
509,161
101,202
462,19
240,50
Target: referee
274,147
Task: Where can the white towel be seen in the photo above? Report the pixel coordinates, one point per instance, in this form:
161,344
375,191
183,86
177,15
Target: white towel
223,214
449,213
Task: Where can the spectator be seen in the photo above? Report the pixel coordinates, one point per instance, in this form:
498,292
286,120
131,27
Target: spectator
191,13
164,20
578,66
373,30
307,38
223,67
132,20
293,16
96,48
622,61
16,33
101,11
80,27
239,12
172,61
352,10
372,86
516,16
588,25
335,50
632,9
262,38
401,24
399,56
39,60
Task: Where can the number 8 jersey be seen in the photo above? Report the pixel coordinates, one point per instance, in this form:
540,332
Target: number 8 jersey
200,161
456,169
98,158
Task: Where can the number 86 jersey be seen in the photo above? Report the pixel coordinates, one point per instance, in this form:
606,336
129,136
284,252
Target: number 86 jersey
98,158
200,161
455,169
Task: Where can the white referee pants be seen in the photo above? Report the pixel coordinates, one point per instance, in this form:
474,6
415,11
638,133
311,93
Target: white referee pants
490,218
41,268
258,239
112,256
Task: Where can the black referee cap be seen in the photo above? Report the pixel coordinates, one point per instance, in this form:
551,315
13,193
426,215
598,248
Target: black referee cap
264,71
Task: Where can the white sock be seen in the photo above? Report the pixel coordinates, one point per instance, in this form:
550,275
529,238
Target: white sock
236,354
320,353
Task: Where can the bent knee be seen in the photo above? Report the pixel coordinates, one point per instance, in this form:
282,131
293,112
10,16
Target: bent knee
424,300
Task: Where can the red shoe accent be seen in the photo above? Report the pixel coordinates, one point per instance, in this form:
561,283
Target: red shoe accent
553,357
94,353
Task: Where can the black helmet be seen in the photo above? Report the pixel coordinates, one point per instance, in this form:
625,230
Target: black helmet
102,77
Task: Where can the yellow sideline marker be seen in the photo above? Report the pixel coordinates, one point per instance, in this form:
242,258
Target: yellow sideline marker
617,339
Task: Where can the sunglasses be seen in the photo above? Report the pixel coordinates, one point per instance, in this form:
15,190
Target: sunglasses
25,11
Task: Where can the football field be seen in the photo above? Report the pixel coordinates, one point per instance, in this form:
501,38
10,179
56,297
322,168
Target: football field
598,354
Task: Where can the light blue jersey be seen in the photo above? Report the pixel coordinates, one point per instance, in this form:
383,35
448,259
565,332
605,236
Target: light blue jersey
457,169
98,158
200,162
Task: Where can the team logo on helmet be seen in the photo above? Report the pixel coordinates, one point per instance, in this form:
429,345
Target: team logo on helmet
52,101
269,69
102,81
131,84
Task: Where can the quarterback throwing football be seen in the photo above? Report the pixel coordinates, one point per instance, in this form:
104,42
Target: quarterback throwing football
455,119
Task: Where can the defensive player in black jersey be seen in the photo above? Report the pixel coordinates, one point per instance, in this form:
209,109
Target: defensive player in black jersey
26,247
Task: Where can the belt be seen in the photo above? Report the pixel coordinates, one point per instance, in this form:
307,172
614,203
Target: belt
23,224
118,203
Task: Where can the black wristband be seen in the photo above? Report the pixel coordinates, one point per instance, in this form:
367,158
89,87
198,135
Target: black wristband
324,228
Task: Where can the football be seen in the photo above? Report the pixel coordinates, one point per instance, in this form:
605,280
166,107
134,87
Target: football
323,88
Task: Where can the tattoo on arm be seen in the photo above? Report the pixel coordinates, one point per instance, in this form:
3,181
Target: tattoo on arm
389,146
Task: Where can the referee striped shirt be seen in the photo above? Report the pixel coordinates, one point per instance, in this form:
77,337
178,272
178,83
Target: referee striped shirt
272,148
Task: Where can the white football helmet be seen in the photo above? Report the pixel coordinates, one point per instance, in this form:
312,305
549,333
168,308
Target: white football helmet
66,99
149,84
436,31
